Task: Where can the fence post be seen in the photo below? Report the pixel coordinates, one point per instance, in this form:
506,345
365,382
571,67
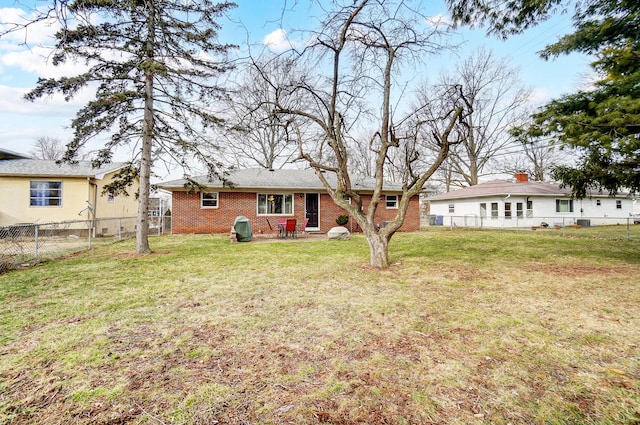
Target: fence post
119,228
89,232
628,229
35,251
563,228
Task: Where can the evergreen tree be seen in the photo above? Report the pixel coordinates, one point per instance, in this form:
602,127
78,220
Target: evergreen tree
153,64
602,123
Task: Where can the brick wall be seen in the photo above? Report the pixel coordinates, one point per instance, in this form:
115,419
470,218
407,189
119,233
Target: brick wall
188,217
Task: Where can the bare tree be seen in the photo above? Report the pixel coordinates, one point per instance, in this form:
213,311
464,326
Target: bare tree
46,147
357,55
363,158
257,136
536,156
494,89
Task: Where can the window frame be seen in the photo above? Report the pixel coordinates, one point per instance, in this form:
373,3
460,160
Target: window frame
529,208
507,210
45,198
519,210
495,212
452,208
561,204
618,204
394,203
483,210
265,196
209,207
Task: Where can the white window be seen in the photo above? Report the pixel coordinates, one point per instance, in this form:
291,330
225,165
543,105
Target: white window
452,208
208,199
598,202
483,210
494,210
392,201
45,193
275,203
529,209
564,205
618,205
111,198
519,210
507,210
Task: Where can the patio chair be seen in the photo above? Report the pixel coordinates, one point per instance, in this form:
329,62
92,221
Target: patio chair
303,228
290,228
282,224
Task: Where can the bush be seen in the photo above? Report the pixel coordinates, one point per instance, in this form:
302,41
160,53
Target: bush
342,220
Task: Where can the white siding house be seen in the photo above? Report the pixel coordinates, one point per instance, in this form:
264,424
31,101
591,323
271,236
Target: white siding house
524,203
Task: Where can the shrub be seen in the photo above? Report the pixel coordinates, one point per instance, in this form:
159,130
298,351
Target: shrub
342,220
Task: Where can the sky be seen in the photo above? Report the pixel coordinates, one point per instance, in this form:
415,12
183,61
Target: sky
257,22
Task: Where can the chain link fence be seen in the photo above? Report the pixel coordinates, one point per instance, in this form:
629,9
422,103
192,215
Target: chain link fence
30,243
624,228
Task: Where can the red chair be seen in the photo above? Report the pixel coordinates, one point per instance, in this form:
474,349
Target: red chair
282,226
303,228
290,228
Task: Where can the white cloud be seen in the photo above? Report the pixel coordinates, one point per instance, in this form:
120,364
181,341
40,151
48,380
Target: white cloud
12,102
437,20
34,34
539,96
37,61
277,41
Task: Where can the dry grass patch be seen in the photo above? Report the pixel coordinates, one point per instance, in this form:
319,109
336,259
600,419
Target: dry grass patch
464,328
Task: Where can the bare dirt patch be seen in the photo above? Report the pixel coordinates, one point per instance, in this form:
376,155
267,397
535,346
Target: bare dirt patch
573,270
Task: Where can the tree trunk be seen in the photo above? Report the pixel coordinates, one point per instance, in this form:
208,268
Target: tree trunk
142,229
378,249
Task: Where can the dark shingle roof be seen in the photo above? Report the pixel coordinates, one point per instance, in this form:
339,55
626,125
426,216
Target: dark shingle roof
507,187
46,168
260,178
7,154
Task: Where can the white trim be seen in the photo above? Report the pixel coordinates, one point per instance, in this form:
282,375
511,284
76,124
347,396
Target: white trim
202,207
283,214
31,198
386,202
317,228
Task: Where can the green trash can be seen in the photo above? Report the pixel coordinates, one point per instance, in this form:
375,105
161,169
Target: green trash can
242,226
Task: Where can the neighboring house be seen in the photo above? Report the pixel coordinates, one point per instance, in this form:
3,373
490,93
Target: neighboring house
264,195
41,191
523,203
5,154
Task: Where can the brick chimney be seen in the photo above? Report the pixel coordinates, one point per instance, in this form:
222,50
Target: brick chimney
522,177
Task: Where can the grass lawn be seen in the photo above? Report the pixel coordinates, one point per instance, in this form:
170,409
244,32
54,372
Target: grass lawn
466,327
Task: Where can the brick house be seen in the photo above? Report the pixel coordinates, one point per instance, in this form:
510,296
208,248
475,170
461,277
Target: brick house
264,195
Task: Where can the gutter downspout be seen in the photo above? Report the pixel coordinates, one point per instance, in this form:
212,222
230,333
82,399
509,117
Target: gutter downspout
93,193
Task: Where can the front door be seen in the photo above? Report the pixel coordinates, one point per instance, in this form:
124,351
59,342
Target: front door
312,210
